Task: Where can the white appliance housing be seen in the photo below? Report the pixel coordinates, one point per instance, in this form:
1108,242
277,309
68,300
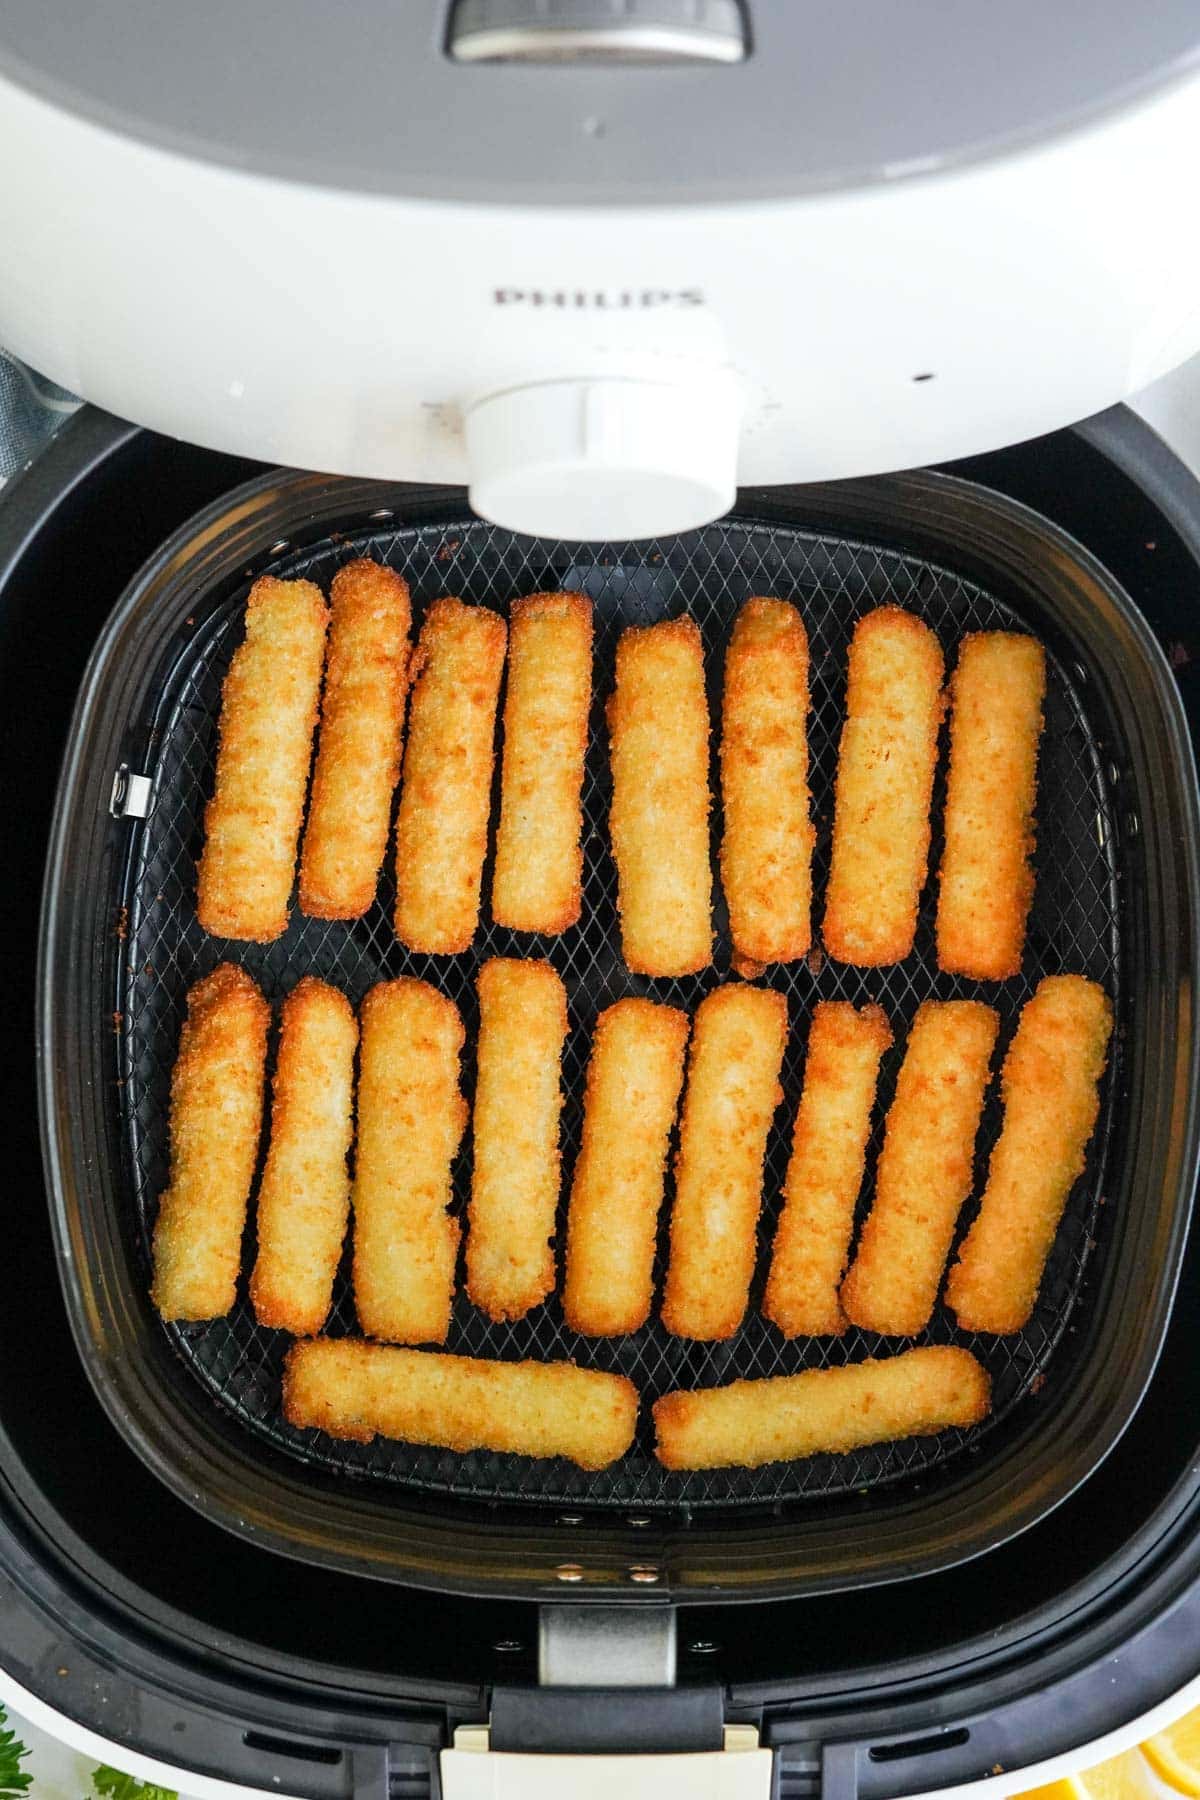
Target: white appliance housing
270,231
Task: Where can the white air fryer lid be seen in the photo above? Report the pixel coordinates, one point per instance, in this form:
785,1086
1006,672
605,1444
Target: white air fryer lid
371,95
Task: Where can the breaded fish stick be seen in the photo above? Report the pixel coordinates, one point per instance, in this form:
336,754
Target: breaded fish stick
1051,1091
748,1423
356,1390
884,781
410,1121
925,1168
304,1199
216,1114
268,712
732,1092
536,883
825,1173
518,1099
446,796
766,854
986,879
358,751
658,722
633,1082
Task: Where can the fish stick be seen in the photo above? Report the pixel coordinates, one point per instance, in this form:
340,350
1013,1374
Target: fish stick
356,1390
633,1082
304,1199
749,1423
518,1099
536,883
925,1168
411,1116
825,1173
885,771
1051,1091
358,751
658,724
766,853
986,881
446,794
216,1116
268,714
732,1092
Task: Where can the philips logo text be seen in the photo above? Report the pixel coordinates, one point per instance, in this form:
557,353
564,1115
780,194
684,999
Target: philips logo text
597,299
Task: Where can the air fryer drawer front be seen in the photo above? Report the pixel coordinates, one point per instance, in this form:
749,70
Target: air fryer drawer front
120,946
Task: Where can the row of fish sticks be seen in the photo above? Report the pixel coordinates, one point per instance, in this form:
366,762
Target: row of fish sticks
285,673
411,1115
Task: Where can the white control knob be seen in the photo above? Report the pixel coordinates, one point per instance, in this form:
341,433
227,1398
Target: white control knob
606,458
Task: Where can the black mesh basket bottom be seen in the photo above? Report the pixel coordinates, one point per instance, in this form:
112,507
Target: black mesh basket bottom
1073,926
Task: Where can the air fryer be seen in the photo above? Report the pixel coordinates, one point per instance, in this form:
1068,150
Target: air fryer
618,279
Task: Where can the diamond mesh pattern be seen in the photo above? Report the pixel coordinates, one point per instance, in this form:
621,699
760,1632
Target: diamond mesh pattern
1074,925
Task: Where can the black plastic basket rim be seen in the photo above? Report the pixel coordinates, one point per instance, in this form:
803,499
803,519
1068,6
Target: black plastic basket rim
1074,925
170,1437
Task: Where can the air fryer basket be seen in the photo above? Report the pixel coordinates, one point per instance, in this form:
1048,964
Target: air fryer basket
202,1403
162,951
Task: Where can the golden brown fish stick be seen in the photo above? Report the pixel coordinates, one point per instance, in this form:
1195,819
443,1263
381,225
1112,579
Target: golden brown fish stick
753,1422
216,1114
986,878
658,722
732,1092
925,1168
518,1099
1051,1091
268,712
766,854
304,1199
884,781
358,751
446,795
356,1390
411,1116
825,1173
633,1082
536,884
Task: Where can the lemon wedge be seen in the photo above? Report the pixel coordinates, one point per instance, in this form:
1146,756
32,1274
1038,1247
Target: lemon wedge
1121,1778
1065,1789
1175,1753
